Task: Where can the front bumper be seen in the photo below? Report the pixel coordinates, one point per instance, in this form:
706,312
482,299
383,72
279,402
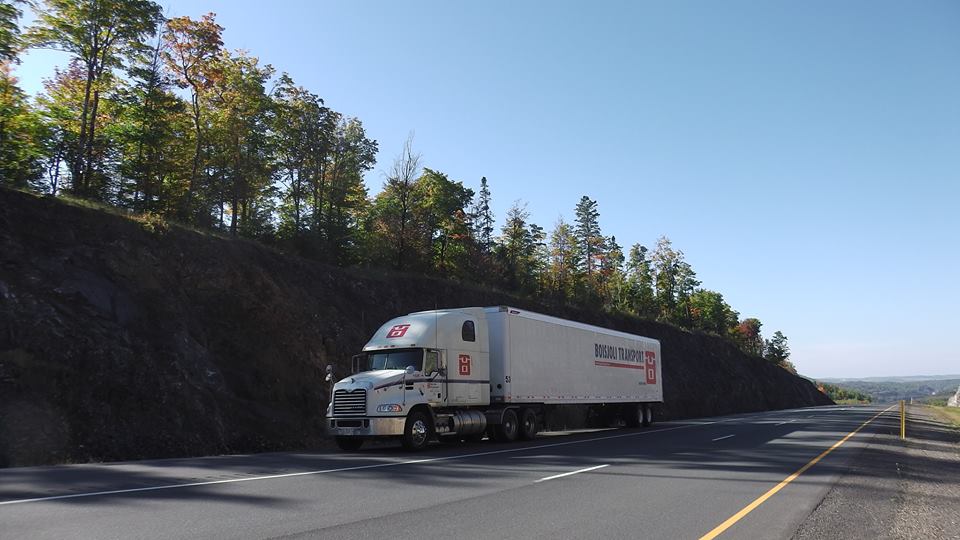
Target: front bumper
366,427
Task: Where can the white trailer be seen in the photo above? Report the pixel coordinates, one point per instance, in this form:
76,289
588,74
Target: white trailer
462,373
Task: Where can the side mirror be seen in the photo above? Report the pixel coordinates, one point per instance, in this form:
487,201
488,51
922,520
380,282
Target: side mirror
329,376
357,363
410,370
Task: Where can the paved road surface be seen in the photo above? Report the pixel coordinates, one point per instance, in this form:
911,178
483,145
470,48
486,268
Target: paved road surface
673,480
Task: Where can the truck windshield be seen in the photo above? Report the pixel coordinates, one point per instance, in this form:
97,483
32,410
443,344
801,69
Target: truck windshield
396,359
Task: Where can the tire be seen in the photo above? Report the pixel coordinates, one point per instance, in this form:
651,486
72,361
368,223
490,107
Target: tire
349,444
417,431
647,415
508,428
633,414
528,424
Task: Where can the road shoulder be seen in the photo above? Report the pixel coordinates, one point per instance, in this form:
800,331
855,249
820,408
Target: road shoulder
894,488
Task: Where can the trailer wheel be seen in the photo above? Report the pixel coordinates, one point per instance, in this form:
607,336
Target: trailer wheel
647,415
633,414
506,430
349,444
528,424
418,431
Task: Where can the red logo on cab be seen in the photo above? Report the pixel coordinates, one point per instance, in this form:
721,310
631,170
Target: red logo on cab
398,331
464,364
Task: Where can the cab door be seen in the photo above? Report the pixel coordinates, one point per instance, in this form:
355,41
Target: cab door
435,386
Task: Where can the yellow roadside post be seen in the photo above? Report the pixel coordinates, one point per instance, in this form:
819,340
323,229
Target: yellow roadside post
903,421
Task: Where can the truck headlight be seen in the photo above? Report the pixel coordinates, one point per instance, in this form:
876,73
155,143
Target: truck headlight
389,407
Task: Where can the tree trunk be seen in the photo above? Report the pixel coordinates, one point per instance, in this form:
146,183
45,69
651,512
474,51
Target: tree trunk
88,161
187,206
76,168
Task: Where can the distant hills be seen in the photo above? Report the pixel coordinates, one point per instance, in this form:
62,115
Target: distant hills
887,389
910,378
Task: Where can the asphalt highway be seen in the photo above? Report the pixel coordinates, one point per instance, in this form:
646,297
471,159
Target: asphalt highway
727,477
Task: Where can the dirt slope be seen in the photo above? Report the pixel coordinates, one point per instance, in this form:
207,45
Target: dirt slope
123,341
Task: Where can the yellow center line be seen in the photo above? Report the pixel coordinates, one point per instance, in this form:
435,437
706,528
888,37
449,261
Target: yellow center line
719,529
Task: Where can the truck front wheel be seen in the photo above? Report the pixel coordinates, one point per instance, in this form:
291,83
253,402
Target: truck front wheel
349,444
418,431
506,430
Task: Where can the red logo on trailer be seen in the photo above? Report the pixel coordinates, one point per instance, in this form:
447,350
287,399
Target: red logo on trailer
464,368
651,366
398,331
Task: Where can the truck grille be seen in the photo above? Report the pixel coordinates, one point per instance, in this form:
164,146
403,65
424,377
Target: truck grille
351,403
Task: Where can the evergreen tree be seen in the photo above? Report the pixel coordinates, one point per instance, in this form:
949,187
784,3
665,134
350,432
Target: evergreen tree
563,259
482,217
517,249
640,293
587,232
776,350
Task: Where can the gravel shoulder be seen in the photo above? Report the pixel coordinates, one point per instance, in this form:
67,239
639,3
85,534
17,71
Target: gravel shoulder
897,489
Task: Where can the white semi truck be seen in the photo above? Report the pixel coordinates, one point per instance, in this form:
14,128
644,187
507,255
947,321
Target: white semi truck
461,374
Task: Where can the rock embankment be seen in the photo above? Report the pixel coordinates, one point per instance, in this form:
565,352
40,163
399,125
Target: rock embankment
121,339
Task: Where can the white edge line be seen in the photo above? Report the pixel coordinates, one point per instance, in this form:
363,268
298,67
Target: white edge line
345,469
722,438
588,469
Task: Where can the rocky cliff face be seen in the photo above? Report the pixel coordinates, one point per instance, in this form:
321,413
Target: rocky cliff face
122,340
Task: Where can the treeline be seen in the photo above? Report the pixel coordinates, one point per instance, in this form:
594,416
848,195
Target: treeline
841,394
156,116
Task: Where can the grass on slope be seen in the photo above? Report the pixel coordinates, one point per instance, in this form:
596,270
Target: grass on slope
949,413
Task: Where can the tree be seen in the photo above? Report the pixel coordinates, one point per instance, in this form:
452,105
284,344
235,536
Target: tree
155,139
22,135
587,232
776,350
517,248
57,106
351,155
440,220
641,297
710,313
482,217
192,51
99,33
300,141
747,336
613,279
9,30
665,263
399,182
563,259
240,108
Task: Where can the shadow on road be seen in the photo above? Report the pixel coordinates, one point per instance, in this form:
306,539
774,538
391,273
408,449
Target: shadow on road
777,443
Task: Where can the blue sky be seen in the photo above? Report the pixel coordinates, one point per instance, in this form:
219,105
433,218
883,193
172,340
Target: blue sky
804,155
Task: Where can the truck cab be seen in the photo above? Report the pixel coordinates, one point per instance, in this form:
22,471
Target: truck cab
413,370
